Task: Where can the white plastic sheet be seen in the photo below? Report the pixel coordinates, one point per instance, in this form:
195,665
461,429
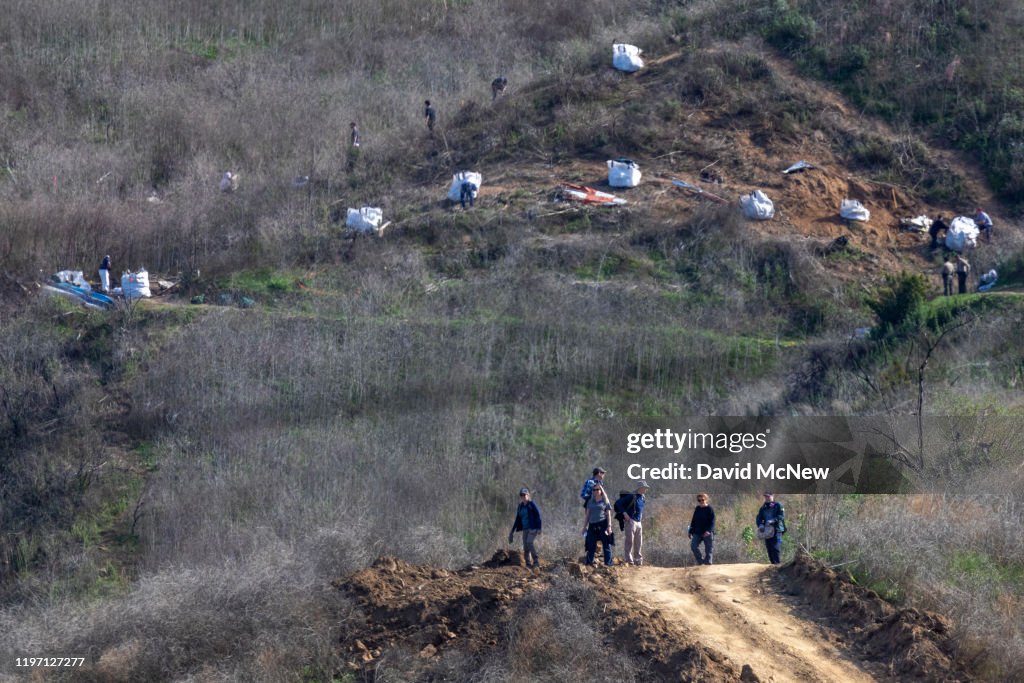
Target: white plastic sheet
853,210
366,219
455,191
626,57
135,285
757,206
962,234
623,173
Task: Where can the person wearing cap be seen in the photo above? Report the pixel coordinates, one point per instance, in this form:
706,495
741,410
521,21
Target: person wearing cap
597,525
589,484
634,529
771,524
105,273
702,529
528,521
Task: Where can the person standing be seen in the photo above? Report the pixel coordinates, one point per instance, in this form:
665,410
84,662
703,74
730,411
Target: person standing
597,525
634,529
702,529
355,137
963,268
105,273
984,223
430,114
528,521
947,270
771,524
588,486
467,190
938,225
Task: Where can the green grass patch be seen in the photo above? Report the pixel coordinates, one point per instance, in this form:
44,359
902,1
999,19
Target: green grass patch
262,281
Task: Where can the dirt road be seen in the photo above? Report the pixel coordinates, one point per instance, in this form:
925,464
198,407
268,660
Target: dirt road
737,611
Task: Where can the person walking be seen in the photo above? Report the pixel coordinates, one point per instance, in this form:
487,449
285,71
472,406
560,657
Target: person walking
984,223
105,273
702,529
597,525
771,524
430,114
963,268
633,527
947,270
588,486
938,225
527,521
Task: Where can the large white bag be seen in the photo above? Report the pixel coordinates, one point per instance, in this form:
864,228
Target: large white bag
135,285
853,210
757,206
366,219
455,191
626,57
962,234
623,173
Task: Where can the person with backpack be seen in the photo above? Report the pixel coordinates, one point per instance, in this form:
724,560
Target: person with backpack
528,521
702,529
589,484
771,524
597,525
631,509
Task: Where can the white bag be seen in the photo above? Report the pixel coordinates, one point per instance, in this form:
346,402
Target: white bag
962,234
853,210
366,219
135,285
623,173
757,206
455,191
626,57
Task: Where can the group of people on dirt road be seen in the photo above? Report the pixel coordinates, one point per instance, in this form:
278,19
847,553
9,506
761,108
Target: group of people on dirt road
628,510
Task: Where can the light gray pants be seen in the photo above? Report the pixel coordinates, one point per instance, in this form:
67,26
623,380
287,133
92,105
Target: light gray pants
634,545
529,549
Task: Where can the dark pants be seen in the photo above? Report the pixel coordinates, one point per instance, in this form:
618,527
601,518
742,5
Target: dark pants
961,281
947,284
466,192
709,547
595,533
774,547
529,549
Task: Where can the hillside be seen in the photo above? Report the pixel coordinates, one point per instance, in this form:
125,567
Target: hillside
201,486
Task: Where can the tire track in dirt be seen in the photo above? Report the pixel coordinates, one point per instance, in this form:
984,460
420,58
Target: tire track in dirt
738,613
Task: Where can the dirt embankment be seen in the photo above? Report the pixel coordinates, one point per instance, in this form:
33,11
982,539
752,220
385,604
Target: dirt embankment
749,622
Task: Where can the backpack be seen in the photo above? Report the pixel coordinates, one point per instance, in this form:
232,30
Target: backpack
625,501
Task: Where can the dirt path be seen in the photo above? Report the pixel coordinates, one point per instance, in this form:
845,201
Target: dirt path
738,612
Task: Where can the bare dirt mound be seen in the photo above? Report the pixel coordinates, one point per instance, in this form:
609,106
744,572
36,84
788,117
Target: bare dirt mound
748,622
912,643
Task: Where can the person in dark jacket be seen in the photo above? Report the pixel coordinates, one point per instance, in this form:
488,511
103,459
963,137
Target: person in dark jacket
938,225
702,529
771,524
430,114
528,521
498,86
105,274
